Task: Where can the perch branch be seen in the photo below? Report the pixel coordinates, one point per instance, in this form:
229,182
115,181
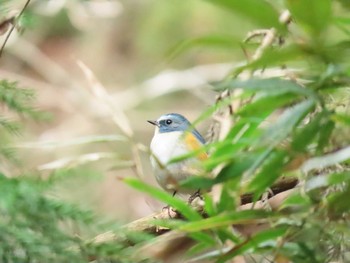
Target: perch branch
145,224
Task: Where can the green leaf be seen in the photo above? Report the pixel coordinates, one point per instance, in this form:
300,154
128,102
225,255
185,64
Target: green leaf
257,11
209,205
197,182
325,133
296,200
241,136
337,202
304,136
341,118
286,123
227,200
235,169
212,41
254,242
270,171
314,15
226,219
270,86
157,193
273,57
266,103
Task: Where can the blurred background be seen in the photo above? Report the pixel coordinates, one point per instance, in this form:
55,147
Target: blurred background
100,69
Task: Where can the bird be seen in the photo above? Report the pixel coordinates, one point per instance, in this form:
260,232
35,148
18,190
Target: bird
174,136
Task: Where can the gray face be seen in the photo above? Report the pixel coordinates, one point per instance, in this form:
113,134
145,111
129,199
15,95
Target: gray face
175,122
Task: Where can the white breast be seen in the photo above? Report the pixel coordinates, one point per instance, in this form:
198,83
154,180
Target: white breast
166,146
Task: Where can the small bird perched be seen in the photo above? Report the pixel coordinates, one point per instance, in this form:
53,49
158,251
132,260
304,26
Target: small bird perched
174,136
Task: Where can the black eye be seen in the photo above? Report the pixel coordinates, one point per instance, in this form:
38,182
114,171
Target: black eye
168,122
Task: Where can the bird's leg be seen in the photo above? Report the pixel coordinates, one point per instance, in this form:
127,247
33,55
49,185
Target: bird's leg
194,196
168,207
265,199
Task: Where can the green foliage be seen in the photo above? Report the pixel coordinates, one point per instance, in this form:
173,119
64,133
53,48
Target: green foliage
36,226
293,125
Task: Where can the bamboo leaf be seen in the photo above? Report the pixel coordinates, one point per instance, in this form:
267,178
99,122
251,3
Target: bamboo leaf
314,15
159,194
286,123
254,242
227,219
257,11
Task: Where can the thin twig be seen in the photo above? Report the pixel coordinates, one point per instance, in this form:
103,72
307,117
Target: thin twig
13,27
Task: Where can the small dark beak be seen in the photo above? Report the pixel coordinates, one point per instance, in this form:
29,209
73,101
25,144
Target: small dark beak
154,123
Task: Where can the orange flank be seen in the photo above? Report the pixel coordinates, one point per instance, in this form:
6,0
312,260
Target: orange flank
193,144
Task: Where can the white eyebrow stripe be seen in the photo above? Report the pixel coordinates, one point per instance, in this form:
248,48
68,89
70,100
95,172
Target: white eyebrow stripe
164,117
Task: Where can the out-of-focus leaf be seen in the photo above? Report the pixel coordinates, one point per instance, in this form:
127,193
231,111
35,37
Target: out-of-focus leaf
72,142
270,86
321,181
270,171
286,123
209,206
227,202
326,160
227,219
254,242
257,11
341,118
242,135
266,104
338,202
305,135
197,182
325,133
157,193
295,200
314,15
345,3
235,170
219,41
203,237
273,57
69,162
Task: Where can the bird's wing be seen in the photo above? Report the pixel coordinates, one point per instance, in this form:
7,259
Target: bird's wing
194,144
